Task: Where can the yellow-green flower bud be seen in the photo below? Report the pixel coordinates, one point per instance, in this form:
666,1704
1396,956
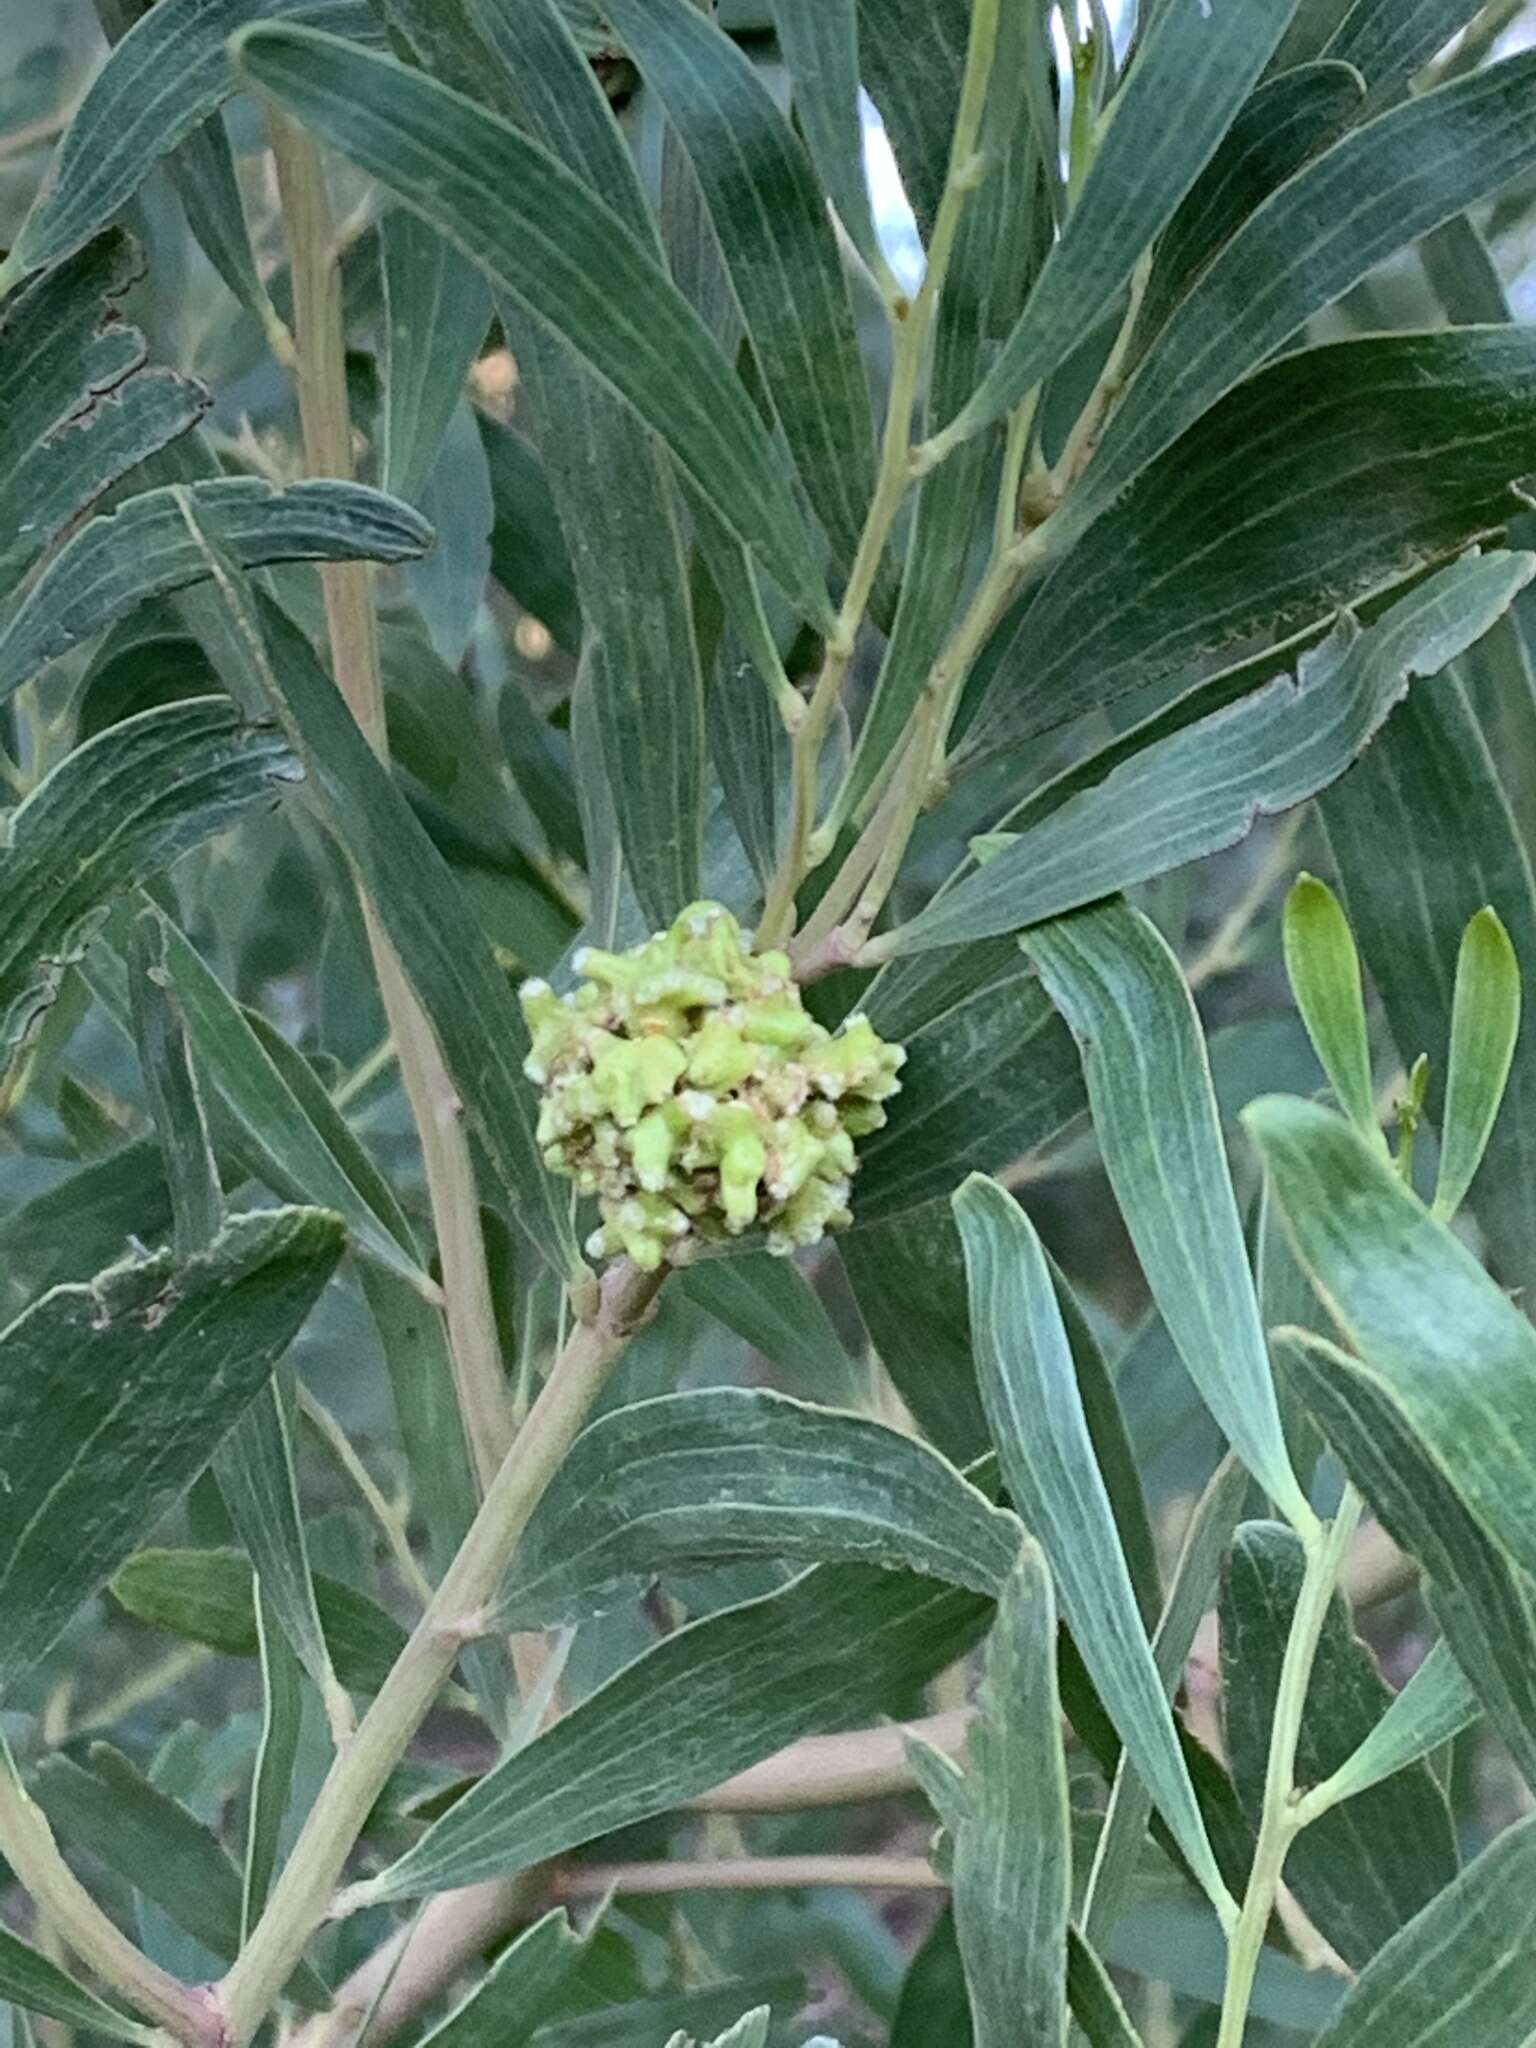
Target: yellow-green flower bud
686,1086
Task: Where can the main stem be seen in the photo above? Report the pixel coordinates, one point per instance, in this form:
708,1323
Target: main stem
1281,1821
892,477
302,1894
348,587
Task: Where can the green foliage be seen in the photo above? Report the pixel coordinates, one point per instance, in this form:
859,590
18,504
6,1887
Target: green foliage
568,680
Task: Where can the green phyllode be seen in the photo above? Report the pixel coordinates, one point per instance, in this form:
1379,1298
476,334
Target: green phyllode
686,1086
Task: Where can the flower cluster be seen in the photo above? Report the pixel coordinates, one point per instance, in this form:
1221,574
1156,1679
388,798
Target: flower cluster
686,1086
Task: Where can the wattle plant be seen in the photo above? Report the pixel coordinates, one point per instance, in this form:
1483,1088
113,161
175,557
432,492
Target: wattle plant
767,1208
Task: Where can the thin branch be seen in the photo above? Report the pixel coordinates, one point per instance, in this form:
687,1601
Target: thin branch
749,1874
390,1521
302,1897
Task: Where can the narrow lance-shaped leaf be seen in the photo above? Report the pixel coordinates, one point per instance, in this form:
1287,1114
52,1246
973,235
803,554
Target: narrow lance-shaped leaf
36,1984
715,1697
103,1804
778,246
1030,1393
1013,1846
1433,1708
543,239
1469,1959
191,1172
280,1141
738,1472
1203,786
473,1011
114,1394
82,407
1485,1024
272,1771
1388,40
114,813
1323,968
1486,1606
1433,1331
1154,1113
1205,62
819,42
166,75
520,1989
1382,186
437,311
1351,466
1360,1872
144,549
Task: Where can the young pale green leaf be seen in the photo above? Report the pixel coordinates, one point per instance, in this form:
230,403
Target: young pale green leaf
771,1305
1012,1873
1485,1025
1282,124
280,1142
1387,41
31,1981
114,813
82,407
436,310
1119,987
257,1482
1486,1605
1203,61
988,1079
1467,1962
473,1011
1029,1389
1434,1333
779,248
1427,430
277,1754
145,548
1433,1708
163,78
1201,788
1323,968
206,1596
1379,188
114,1394
105,1806
1430,788
542,238
819,42
732,1472
1360,1872
191,1171
520,1989
718,1695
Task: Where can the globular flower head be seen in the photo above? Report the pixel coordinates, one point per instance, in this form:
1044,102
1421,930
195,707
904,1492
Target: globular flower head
688,1089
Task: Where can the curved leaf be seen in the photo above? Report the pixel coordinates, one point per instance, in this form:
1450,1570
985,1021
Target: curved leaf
1154,1113
1433,1708
81,406
115,1394
1485,1025
1435,1335
778,245
1323,968
113,813
1382,186
734,1472
1029,1389
145,548
543,239
1468,1959
819,42
163,78
1388,40
1205,787
1333,473
832,1646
